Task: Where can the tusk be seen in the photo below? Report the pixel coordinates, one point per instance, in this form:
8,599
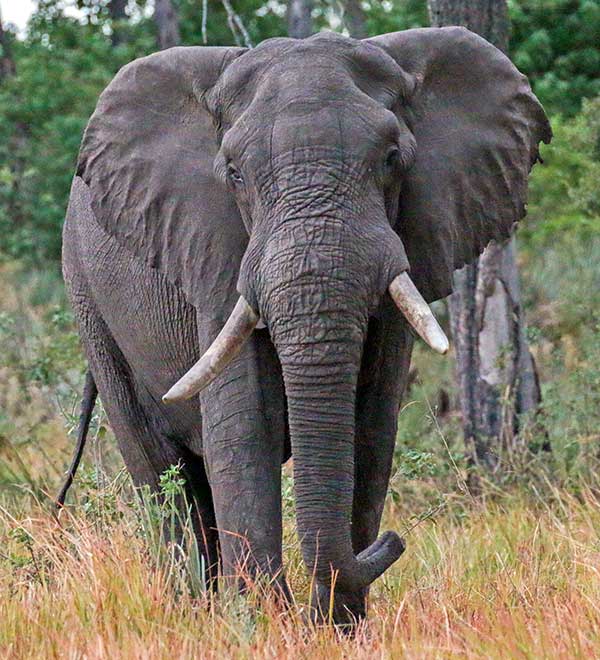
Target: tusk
225,347
410,302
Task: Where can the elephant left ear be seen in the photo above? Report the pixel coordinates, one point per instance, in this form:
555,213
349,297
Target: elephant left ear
147,158
478,127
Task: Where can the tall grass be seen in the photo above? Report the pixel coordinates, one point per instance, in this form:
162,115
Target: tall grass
513,574
517,579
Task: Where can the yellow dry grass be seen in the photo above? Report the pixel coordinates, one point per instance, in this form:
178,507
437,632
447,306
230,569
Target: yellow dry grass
513,580
512,576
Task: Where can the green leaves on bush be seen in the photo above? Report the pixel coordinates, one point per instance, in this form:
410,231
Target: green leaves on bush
557,44
565,191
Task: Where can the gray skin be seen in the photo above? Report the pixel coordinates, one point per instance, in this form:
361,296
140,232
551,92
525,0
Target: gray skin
304,175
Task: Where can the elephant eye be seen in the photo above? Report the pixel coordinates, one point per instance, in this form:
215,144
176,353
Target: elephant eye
392,159
234,175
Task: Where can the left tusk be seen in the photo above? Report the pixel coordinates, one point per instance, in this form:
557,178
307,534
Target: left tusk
225,347
411,303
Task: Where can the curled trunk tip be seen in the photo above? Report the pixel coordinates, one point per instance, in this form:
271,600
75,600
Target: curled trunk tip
372,562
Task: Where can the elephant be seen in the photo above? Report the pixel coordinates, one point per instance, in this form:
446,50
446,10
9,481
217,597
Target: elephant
252,240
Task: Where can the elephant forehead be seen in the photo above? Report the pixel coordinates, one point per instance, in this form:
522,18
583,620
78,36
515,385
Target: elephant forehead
321,124
311,140
292,115
324,67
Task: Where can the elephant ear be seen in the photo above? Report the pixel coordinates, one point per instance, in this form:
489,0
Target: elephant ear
147,157
478,127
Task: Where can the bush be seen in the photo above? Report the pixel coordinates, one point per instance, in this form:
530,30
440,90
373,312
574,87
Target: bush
564,193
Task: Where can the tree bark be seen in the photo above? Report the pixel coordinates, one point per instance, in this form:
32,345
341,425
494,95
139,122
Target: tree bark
167,24
354,18
116,10
7,63
299,18
488,18
495,369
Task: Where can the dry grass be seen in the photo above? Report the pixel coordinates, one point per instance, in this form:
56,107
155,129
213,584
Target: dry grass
518,580
515,575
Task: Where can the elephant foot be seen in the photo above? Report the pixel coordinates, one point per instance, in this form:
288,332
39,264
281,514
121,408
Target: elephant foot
345,610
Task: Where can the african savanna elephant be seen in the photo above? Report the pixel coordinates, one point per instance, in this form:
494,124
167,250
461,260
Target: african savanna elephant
285,214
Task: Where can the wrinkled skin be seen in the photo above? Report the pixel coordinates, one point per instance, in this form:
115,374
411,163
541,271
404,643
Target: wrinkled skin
285,178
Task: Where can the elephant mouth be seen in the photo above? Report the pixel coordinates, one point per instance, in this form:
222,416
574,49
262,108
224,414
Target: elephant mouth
243,320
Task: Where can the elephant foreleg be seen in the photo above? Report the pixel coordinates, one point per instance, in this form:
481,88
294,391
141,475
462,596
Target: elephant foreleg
244,436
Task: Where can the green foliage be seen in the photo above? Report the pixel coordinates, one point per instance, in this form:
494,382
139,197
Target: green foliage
61,67
44,354
416,464
570,410
262,20
557,44
565,191
388,15
166,526
41,370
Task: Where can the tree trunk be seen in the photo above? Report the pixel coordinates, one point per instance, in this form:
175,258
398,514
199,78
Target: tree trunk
495,369
7,63
354,19
488,18
116,9
299,18
167,24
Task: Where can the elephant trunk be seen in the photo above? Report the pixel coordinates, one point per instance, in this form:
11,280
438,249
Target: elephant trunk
320,368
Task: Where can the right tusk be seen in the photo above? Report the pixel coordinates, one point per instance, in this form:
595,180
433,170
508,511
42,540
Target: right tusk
225,347
411,303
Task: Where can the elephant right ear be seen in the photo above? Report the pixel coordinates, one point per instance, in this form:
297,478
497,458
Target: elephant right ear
147,157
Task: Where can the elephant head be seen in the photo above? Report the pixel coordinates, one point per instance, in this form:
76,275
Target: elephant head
359,168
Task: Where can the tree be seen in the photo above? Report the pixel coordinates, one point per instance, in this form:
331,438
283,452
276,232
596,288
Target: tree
355,20
299,18
496,373
167,24
7,63
116,9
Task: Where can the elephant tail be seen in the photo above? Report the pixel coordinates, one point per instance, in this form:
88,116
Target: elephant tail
88,401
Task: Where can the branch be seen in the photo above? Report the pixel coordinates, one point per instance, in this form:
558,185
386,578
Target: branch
236,25
204,16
